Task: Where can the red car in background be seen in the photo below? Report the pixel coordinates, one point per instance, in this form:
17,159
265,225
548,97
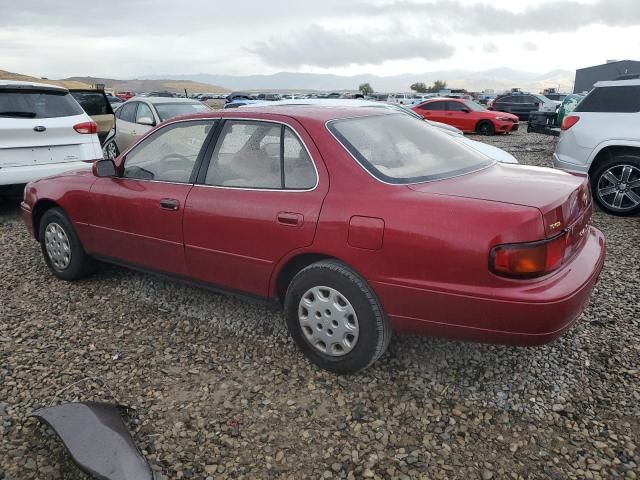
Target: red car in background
125,95
358,221
467,115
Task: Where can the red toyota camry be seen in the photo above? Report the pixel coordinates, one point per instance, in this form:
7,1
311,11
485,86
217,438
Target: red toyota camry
358,221
467,115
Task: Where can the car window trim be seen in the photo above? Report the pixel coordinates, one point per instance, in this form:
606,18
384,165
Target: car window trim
202,174
199,158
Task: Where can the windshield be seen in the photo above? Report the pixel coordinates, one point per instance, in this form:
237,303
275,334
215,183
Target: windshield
476,107
399,149
170,110
32,103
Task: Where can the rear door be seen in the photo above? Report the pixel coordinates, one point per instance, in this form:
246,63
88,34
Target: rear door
460,116
137,216
435,111
126,125
258,199
37,127
97,106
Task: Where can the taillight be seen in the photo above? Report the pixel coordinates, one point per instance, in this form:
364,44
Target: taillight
86,127
527,260
569,122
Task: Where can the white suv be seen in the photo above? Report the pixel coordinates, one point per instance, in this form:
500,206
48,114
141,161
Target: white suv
43,132
601,138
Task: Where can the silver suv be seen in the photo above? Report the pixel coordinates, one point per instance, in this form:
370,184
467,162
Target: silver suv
601,138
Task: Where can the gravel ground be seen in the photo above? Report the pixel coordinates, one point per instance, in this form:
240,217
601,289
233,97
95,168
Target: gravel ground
219,391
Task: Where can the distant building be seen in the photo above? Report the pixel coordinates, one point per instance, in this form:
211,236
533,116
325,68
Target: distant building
586,77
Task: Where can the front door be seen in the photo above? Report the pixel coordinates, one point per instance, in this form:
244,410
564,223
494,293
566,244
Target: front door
259,200
138,215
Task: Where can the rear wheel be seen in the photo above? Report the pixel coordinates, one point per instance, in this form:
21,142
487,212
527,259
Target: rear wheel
61,247
485,127
616,184
335,318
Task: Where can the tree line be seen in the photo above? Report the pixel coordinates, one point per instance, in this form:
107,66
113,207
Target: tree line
418,87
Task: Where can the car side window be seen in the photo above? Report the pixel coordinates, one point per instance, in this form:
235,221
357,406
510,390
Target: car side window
505,100
127,112
299,172
168,155
438,106
455,107
144,112
250,154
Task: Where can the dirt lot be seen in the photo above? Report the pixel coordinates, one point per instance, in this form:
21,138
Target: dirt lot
220,391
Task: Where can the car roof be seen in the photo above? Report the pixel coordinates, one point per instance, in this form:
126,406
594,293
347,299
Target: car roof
618,83
303,113
164,100
20,83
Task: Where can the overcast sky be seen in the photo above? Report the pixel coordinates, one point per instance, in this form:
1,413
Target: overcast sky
118,38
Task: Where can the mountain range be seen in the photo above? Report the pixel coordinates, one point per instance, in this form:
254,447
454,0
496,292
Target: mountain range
497,79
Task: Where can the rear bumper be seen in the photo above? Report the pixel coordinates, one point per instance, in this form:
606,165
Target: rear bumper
530,315
29,173
561,163
27,219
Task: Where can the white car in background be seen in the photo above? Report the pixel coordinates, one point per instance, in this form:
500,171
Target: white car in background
43,132
490,151
601,138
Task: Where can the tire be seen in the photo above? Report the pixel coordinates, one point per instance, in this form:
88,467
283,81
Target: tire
355,311
56,231
485,127
615,184
111,150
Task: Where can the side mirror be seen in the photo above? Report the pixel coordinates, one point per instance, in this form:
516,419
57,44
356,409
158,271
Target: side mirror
147,121
104,168
466,110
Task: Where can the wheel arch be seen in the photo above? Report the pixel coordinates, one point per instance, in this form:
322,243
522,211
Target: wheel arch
290,266
607,150
39,209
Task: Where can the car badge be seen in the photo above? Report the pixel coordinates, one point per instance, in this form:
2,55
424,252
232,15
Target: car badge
553,226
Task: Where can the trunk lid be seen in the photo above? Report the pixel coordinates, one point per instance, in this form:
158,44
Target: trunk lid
21,144
563,199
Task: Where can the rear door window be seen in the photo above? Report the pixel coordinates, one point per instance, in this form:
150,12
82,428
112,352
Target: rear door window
127,112
260,155
436,106
94,103
622,99
36,103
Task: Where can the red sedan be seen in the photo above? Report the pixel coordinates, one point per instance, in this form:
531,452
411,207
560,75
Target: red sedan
467,115
358,221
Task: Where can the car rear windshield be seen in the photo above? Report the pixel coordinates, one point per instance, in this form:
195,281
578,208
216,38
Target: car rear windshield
94,103
33,103
622,99
170,110
399,149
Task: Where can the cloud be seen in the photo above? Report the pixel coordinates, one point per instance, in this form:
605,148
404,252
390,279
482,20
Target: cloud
490,47
320,47
554,16
530,46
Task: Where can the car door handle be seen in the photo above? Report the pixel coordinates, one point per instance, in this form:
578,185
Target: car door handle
290,219
169,204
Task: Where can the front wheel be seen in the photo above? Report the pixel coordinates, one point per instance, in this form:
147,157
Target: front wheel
335,318
485,127
61,247
111,150
616,184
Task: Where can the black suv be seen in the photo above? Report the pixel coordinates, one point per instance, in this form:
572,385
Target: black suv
522,104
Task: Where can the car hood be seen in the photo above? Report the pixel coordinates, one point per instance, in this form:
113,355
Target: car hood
494,114
561,198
